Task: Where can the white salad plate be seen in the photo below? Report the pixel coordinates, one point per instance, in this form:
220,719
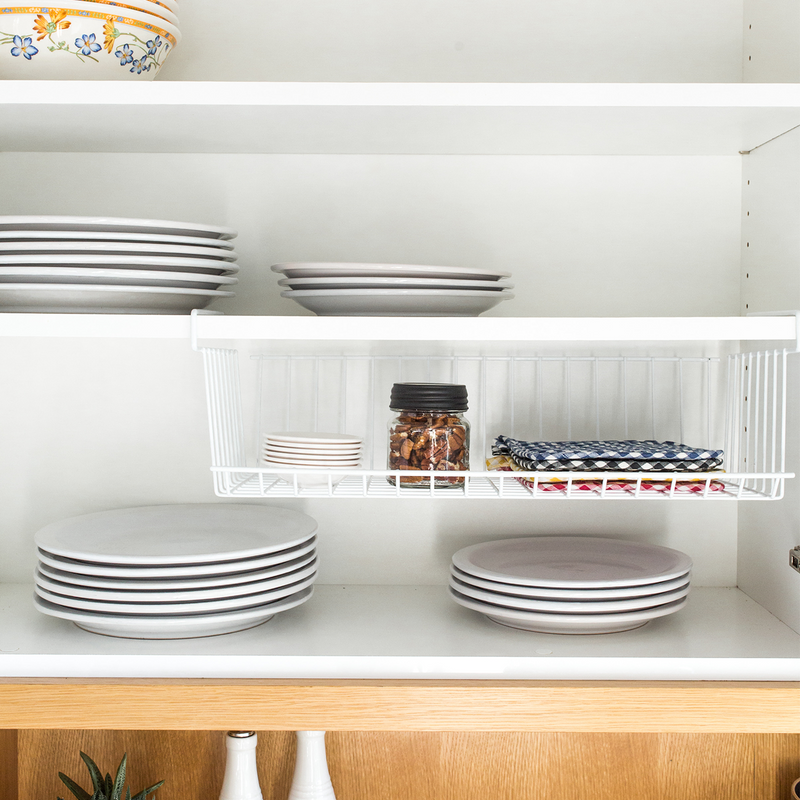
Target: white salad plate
397,302
334,452
173,627
174,571
572,561
55,298
147,608
115,248
276,572
114,225
311,461
110,261
114,277
569,606
392,283
322,269
189,533
314,437
70,237
543,622
566,593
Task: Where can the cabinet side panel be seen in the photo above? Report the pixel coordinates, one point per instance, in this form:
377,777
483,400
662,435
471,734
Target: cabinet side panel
8,765
771,40
777,762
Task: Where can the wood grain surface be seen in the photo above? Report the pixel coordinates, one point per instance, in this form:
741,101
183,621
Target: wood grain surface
8,764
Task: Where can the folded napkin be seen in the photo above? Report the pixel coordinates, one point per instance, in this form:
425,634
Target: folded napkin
614,455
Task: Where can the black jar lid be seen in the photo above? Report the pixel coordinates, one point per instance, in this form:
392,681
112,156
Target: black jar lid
433,396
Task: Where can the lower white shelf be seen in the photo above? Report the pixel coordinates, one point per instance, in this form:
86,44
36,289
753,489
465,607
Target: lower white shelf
402,632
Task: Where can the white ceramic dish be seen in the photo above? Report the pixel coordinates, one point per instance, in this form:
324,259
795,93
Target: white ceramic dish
189,533
71,237
56,298
566,593
114,225
178,627
116,248
572,561
213,266
147,608
309,461
397,302
173,595
569,606
342,269
131,8
314,437
568,623
274,572
335,452
392,283
114,277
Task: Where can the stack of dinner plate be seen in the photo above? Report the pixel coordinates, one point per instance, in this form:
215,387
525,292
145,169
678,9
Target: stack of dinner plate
111,265
570,584
175,571
317,459
409,290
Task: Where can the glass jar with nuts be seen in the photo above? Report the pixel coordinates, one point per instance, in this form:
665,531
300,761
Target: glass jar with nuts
429,432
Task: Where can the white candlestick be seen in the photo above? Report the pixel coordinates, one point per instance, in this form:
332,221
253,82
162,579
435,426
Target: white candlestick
311,780
241,773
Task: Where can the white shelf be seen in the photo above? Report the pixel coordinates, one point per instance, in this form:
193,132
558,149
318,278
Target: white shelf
395,632
452,118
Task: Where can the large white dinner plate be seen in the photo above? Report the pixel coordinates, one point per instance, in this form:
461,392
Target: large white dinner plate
567,623
111,236
177,627
392,283
312,461
162,595
567,593
114,224
321,438
114,277
325,269
186,533
321,450
148,608
397,302
572,561
115,248
274,572
69,298
215,266
569,606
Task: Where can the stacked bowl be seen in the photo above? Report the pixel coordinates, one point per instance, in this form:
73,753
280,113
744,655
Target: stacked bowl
88,40
570,584
175,571
408,290
113,265
317,459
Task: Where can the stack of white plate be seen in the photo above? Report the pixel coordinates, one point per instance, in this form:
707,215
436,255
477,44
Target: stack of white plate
316,458
175,571
409,290
110,265
570,584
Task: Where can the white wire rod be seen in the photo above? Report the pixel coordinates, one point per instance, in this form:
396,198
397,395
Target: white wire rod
764,402
377,357
773,450
625,393
653,402
748,405
756,411
680,404
235,397
729,395
569,400
783,410
228,408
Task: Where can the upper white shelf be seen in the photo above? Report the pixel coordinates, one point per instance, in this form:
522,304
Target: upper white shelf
492,118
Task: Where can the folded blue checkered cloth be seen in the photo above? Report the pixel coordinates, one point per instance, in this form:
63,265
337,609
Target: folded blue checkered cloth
617,455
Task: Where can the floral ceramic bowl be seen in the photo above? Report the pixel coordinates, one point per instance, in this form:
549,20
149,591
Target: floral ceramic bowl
135,6
82,42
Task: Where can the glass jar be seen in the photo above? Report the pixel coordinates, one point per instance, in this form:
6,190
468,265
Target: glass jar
428,432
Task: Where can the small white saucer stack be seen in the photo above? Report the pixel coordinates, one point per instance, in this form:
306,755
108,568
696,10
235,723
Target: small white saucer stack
318,459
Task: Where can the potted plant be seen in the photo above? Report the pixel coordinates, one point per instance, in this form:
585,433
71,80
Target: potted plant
105,788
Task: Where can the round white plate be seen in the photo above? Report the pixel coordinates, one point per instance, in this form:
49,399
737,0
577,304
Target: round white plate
334,452
572,561
321,461
178,627
213,581
397,302
111,236
147,608
567,623
113,277
114,224
168,263
314,437
392,283
325,269
546,593
115,248
67,298
190,533
175,595
569,606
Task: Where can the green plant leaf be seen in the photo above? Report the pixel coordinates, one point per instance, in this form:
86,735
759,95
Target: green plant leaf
109,787
94,772
79,792
119,781
128,793
149,790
